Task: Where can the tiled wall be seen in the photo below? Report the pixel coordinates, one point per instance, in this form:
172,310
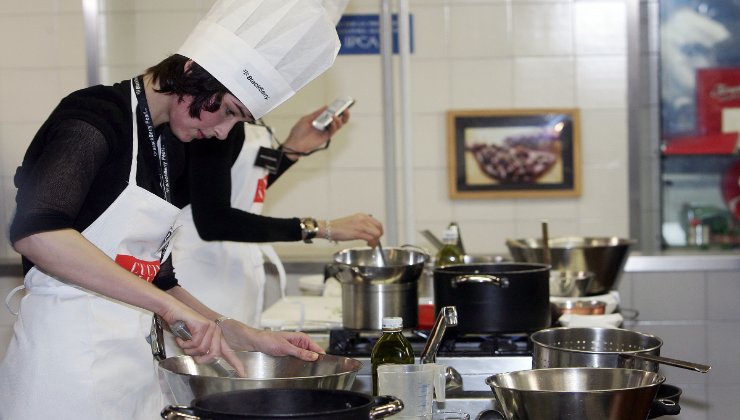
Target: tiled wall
493,54
697,316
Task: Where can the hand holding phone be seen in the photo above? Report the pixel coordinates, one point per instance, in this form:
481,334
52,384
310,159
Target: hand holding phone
335,109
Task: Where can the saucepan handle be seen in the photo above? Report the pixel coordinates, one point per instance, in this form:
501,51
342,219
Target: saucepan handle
501,282
663,407
385,405
177,412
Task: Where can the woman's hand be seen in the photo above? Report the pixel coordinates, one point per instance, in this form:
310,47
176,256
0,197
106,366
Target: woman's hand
207,342
304,137
275,343
357,226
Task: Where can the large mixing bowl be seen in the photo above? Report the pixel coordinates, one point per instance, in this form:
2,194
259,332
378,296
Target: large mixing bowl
182,379
576,393
402,265
603,256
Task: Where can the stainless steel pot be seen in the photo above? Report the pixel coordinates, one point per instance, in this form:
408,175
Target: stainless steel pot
315,404
576,393
601,347
371,292
182,379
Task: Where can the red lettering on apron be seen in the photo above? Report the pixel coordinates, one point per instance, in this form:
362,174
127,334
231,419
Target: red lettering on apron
146,270
259,195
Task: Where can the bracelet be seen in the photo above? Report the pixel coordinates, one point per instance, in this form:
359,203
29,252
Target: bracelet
327,233
221,319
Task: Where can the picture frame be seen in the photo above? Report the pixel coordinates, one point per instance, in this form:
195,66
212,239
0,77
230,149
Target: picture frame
520,153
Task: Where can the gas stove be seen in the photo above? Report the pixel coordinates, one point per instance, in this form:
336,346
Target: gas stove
474,357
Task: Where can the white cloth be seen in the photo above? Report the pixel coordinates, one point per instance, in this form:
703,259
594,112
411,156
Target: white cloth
225,275
264,51
76,354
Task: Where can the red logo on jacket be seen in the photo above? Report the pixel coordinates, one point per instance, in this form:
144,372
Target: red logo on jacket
259,195
146,270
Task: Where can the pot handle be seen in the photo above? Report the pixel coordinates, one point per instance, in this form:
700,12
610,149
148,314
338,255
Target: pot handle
663,407
501,282
177,412
385,405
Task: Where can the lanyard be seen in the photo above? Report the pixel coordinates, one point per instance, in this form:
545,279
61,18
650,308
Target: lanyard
158,148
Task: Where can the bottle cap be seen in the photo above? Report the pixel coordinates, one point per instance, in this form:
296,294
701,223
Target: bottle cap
392,322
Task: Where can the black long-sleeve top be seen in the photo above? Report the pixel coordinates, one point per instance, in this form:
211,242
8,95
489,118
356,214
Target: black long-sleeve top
79,161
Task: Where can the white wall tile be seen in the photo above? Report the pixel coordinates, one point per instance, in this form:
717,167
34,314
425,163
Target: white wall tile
544,82
41,84
723,343
481,83
602,82
600,27
543,29
723,297
480,30
602,131
429,141
686,293
431,31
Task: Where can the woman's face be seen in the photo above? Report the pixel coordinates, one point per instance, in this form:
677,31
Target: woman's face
210,124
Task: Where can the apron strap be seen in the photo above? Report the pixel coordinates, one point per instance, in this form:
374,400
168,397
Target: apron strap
271,255
10,296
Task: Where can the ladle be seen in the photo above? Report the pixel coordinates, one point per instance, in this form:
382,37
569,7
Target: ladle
380,260
545,244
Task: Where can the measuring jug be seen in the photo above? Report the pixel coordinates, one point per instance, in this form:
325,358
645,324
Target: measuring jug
415,385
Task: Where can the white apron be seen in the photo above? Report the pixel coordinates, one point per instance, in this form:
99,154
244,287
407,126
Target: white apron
225,275
76,354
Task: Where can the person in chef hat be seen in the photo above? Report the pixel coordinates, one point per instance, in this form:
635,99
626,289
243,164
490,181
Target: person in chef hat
222,238
99,190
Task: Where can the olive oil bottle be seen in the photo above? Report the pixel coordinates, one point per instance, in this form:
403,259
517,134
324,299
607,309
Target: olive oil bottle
450,253
391,347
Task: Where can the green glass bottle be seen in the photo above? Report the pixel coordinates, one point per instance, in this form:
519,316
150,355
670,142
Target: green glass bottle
450,253
391,347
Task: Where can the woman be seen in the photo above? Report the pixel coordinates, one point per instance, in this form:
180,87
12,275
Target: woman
219,243
98,192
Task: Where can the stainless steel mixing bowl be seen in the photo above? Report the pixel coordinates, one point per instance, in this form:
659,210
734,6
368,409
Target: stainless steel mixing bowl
603,256
182,379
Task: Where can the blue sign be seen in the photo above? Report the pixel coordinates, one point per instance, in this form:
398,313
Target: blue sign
360,34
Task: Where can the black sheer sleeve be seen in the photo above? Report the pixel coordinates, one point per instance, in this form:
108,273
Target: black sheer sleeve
165,279
53,188
210,194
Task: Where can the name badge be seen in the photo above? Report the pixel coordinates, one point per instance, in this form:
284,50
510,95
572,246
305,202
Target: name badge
269,159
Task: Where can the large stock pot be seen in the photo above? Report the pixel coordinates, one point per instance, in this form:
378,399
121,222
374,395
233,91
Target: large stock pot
371,291
496,297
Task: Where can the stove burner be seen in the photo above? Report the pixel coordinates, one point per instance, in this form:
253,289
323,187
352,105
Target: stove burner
353,343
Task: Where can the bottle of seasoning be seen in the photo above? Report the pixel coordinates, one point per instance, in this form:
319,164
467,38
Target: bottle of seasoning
391,347
450,253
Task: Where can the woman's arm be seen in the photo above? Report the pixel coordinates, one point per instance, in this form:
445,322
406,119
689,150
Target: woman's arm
243,337
67,255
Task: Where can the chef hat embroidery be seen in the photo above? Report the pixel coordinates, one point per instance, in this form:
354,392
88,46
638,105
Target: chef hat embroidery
264,51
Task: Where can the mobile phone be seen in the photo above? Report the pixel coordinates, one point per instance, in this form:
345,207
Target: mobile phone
336,108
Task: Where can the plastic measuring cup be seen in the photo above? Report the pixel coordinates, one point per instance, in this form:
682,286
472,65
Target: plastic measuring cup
415,385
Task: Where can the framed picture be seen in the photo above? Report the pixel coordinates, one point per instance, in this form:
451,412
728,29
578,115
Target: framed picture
514,153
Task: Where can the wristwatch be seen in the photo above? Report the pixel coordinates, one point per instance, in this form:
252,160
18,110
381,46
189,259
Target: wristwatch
309,229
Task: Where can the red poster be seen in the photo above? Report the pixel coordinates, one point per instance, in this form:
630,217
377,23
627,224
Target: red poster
716,88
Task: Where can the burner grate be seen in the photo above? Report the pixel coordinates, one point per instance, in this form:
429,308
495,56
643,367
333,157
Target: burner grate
353,343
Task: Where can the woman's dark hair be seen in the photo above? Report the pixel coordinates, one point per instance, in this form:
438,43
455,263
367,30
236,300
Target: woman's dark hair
207,92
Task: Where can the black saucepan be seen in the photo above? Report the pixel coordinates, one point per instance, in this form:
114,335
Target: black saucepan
275,403
495,297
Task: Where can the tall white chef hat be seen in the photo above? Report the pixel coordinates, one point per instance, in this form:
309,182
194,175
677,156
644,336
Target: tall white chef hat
264,51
